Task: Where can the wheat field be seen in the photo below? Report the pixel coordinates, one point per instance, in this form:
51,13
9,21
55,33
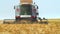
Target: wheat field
53,27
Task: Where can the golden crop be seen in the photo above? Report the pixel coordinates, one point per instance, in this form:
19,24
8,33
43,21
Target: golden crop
53,27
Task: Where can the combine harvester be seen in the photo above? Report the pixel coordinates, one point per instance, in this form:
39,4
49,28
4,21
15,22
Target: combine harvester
27,12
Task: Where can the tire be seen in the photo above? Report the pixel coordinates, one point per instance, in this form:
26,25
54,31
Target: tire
17,19
34,19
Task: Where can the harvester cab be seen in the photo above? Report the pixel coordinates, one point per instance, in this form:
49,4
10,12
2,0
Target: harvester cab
26,10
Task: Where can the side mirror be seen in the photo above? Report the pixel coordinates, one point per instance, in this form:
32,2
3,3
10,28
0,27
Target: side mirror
37,13
37,7
14,7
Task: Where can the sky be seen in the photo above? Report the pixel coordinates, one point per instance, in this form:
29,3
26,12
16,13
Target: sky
47,8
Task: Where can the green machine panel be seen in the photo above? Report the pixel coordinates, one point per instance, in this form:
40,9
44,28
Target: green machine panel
26,9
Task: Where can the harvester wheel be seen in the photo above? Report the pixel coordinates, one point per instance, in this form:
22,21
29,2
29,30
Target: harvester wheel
17,19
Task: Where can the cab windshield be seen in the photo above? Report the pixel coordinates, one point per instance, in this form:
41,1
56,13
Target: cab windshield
26,9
